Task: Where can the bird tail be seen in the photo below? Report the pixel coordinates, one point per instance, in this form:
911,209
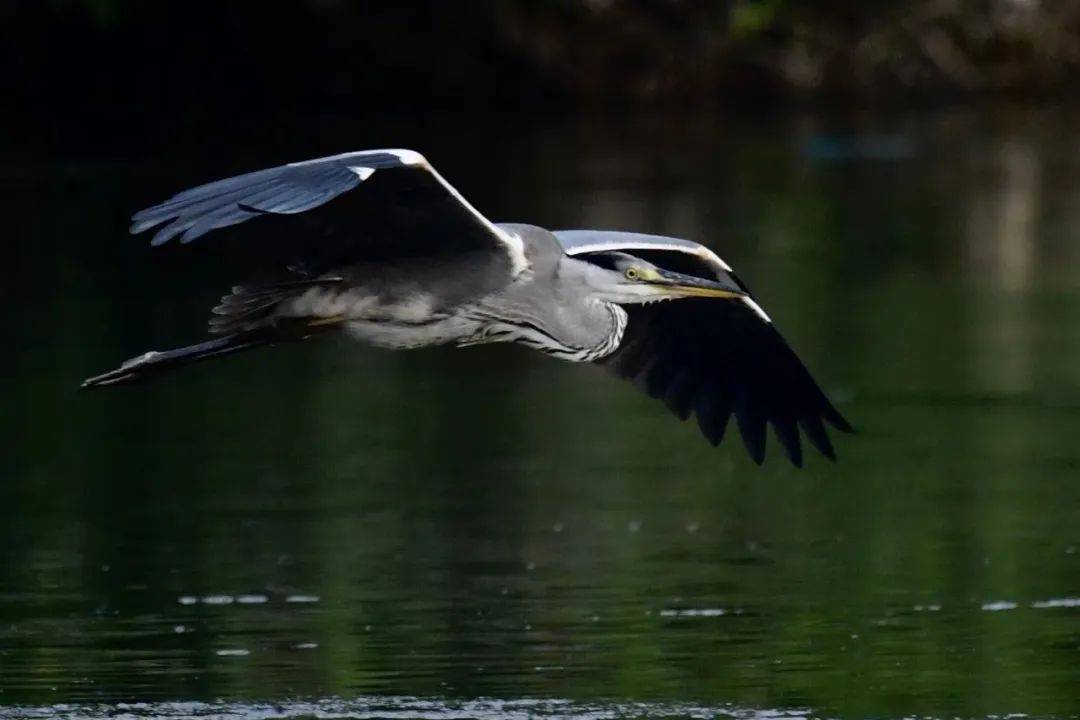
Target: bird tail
155,361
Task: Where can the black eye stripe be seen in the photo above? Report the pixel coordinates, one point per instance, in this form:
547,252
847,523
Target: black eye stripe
604,260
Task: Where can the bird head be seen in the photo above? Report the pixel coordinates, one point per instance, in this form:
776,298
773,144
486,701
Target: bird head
622,278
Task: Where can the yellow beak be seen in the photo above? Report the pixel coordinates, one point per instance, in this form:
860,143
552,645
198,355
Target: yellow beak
691,286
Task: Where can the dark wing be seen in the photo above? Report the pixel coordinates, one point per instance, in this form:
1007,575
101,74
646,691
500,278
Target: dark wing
404,201
714,358
717,358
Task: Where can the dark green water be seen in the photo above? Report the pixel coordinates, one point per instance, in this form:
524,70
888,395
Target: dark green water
492,533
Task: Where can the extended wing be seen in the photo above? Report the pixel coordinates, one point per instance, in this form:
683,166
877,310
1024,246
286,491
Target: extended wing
578,242
405,207
714,358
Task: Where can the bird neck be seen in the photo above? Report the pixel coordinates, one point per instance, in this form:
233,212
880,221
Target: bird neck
589,331
617,319
594,332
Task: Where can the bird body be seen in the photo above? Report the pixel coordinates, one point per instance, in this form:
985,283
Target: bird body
550,306
410,263
554,306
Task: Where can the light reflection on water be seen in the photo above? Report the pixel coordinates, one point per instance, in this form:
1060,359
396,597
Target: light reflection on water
329,521
401,708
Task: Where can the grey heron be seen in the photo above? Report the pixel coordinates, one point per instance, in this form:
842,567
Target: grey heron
410,263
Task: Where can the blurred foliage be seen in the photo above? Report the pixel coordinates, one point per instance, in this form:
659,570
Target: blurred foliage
523,53
698,51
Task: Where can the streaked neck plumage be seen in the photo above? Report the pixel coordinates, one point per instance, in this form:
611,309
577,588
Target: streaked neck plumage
553,307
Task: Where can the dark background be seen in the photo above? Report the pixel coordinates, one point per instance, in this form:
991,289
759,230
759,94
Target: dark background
82,73
899,184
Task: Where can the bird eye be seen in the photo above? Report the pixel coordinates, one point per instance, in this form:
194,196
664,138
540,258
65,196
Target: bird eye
632,274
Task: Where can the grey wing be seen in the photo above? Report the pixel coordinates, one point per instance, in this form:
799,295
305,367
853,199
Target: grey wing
714,358
406,201
577,242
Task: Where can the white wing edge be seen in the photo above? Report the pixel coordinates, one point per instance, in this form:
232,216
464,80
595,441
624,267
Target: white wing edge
407,157
700,250
757,309
514,246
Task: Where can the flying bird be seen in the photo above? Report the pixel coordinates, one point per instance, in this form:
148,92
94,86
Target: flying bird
395,257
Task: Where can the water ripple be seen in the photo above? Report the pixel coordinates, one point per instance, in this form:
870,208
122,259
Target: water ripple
399,708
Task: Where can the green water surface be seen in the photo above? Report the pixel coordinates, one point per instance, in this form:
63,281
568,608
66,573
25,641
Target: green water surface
328,520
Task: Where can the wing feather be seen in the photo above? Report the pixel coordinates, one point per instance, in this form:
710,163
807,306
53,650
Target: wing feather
713,411
720,358
413,205
714,358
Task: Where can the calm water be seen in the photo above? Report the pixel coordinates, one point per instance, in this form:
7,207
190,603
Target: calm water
328,530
